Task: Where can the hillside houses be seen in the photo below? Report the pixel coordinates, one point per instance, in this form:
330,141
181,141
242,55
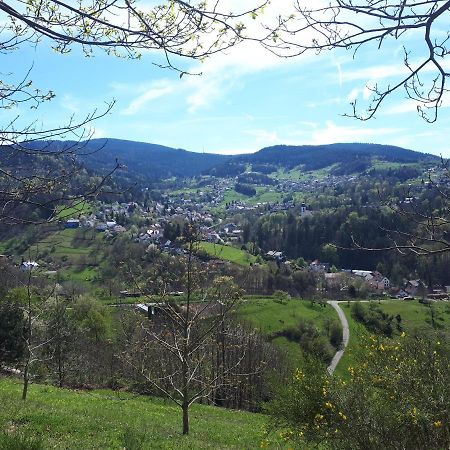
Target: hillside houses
373,278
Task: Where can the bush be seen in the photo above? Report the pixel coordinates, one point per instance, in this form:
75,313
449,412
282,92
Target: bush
373,318
397,398
310,339
336,335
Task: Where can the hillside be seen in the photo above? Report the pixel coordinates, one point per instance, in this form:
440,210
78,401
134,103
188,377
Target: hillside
139,159
144,161
99,420
345,157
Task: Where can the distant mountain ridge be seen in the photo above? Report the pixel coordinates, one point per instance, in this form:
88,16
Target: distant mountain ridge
152,161
140,160
347,157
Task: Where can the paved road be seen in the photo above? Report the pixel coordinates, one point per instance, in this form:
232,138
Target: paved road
345,336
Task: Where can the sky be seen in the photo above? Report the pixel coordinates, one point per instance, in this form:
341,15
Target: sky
245,99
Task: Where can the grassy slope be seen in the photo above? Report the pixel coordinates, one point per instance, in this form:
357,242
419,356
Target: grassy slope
415,318
97,420
269,316
60,246
61,241
228,253
67,212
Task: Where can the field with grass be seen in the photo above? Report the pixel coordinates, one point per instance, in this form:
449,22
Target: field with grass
417,317
269,316
227,253
74,211
385,165
231,195
265,195
416,320
88,274
99,420
60,244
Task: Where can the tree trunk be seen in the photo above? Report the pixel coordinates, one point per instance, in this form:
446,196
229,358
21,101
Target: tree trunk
26,378
185,418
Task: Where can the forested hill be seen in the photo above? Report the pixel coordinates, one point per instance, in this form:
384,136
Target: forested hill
150,160
318,156
143,161
346,157
140,160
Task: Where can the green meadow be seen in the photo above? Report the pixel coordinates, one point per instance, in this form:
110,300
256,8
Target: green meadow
101,420
227,253
269,316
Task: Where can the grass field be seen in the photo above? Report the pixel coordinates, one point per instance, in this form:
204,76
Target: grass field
231,195
265,195
269,316
67,212
98,420
385,165
60,243
228,253
88,274
416,319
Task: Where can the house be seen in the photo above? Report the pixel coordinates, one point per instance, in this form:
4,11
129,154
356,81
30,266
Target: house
335,280
72,223
317,266
111,223
373,278
414,287
129,294
401,294
101,227
28,265
229,228
213,237
272,254
304,211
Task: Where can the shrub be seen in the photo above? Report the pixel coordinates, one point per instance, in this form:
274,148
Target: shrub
373,318
397,398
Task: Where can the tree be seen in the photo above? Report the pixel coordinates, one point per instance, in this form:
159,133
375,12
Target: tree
35,174
352,24
421,227
190,349
33,306
12,325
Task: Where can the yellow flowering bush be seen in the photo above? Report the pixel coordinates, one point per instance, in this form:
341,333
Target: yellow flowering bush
398,398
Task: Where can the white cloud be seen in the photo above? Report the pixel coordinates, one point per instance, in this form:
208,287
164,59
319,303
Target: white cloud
71,103
332,133
99,133
264,137
410,106
328,101
145,98
374,73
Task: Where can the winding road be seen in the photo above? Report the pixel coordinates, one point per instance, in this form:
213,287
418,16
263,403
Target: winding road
345,337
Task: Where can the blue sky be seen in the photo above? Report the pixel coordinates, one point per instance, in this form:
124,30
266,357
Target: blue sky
246,99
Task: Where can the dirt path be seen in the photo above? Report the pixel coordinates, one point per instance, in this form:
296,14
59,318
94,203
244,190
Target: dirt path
345,337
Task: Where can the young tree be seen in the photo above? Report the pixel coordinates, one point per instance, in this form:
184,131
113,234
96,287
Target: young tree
190,349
